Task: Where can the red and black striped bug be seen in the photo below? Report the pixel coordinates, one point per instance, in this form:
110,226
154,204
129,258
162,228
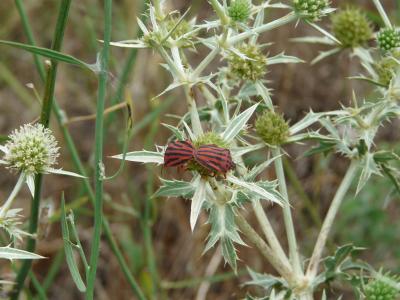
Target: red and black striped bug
178,153
215,159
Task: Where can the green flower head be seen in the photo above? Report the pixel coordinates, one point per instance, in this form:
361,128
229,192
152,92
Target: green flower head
351,27
311,10
381,289
272,128
388,39
31,149
239,10
253,67
210,138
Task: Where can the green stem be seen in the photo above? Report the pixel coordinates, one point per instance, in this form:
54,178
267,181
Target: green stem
382,13
287,215
98,152
284,270
329,219
219,10
48,100
77,161
6,206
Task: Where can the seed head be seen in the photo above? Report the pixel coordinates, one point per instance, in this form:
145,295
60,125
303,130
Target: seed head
388,39
31,149
311,10
378,289
351,27
239,10
272,128
253,67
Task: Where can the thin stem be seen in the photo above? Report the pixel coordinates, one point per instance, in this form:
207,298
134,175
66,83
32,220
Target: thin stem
48,100
78,163
382,13
287,215
283,269
6,206
194,114
78,242
271,25
98,152
329,219
268,231
205,62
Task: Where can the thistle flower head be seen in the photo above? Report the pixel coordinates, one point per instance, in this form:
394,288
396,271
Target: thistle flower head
31,149
253,67
388,39
272,128
381,289
239,10
311,10
208,138
351,27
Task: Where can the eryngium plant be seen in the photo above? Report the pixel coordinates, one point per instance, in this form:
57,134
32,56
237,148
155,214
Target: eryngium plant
223,125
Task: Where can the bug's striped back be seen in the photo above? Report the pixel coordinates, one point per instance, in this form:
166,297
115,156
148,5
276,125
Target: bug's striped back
214,158
178,153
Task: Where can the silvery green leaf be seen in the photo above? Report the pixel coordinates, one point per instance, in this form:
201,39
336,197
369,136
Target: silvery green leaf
283,59
313,40
240,151
257,170
2,162
266,281
324,54
223,229
143,156
198,199
138,44
247,90
278,5
3,149
180,135
13,253
307,121
325,33
62,172
312,135
189,131
265,94
363,54
238,123
323,297
258,191
369,167
175,188
369,80
172,86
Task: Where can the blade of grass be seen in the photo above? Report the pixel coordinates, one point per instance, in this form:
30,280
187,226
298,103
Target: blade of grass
77,161
39,288
48,100
98,152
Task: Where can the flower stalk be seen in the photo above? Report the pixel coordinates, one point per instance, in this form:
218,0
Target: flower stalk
99,169
329,219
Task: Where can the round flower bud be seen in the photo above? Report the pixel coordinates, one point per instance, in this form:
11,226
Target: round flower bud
380,290
253,67
351,27
239,10
209,138
272,128
311,10
388,39
31,149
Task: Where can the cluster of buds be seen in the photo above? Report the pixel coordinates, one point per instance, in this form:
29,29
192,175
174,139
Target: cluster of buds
239,10
272,128
388,39
311,10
